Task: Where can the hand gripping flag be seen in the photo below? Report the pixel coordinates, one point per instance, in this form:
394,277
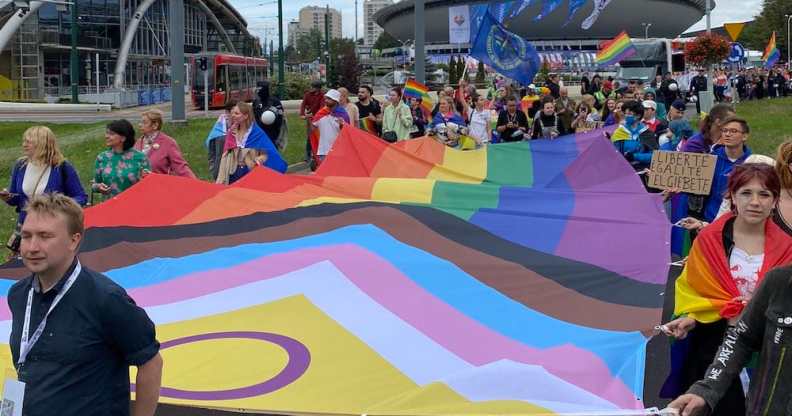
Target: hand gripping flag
507,53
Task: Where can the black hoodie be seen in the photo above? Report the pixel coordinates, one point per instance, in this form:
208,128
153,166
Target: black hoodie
263,102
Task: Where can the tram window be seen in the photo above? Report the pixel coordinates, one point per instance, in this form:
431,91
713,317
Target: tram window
222,74
233,77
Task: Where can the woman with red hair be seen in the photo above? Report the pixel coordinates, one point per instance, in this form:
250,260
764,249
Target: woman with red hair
727,262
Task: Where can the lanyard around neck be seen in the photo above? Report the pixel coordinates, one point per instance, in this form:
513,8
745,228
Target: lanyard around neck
26,343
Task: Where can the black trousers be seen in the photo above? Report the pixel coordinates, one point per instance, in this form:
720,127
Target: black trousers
705,340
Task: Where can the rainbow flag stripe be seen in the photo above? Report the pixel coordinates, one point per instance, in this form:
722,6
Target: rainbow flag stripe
616,50
771,54
414,89
443,278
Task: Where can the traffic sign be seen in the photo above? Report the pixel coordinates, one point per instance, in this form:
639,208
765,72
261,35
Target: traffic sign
734,30
736,53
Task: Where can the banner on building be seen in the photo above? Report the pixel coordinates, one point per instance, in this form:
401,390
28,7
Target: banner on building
459,24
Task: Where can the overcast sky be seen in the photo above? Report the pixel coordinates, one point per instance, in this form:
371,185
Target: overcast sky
260,14
731,11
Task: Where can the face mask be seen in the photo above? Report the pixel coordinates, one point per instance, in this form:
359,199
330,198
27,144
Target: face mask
629,120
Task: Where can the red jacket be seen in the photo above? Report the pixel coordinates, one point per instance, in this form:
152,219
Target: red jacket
165,156
313,101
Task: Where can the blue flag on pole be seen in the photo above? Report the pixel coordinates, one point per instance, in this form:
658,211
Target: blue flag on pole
507,53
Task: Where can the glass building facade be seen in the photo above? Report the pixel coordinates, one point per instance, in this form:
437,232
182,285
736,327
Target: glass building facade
102,25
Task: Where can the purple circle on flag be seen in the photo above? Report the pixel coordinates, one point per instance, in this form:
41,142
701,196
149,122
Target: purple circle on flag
299,360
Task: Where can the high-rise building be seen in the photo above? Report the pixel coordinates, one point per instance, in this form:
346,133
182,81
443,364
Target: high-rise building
313,17
371,30
294,33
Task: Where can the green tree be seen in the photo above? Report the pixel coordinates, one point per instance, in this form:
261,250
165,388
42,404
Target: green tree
344,66
385,41
480,75
295,85
291,54
453,75
309,46
771,19
349,71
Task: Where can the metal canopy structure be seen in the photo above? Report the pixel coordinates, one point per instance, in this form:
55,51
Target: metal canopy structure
122,44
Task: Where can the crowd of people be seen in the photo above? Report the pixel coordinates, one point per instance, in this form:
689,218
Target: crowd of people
465,118
243,137
733,297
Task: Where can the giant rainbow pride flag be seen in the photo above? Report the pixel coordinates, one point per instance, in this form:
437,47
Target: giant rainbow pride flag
400,279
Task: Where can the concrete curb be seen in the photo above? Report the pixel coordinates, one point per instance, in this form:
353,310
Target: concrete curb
39,108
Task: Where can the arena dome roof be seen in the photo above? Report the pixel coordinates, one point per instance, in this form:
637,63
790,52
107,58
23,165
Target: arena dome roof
669,18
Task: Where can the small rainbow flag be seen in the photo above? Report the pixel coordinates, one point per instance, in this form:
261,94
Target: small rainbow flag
414,89
616,50
772,54
369,125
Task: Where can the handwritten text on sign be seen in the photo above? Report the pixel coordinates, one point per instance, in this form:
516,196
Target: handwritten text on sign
684,172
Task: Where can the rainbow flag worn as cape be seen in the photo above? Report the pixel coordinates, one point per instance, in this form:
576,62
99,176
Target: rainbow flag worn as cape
616,50
258,139
313,139
219,129
771,54
705,290
414,89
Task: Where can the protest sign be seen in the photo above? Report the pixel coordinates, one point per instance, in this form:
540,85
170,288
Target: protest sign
685,172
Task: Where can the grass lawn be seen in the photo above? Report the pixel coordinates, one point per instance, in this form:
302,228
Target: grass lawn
80,143
769,121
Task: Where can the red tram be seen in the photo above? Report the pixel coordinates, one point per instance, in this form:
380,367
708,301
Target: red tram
231,77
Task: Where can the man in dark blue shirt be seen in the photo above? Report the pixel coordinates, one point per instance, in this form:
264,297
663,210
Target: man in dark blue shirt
75,332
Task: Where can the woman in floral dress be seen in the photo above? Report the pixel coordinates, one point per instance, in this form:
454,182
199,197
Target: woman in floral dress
120,166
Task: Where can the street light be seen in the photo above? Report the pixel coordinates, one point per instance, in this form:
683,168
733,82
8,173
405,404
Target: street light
406,51
646,29
789,18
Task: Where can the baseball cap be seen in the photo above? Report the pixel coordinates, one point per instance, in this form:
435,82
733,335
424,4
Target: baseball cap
679,105
333,95
650,104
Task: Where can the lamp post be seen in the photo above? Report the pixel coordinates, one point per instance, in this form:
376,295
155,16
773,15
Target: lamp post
327,42
281,62
74,61
708,98
406,51
646,29
420,37
789,61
